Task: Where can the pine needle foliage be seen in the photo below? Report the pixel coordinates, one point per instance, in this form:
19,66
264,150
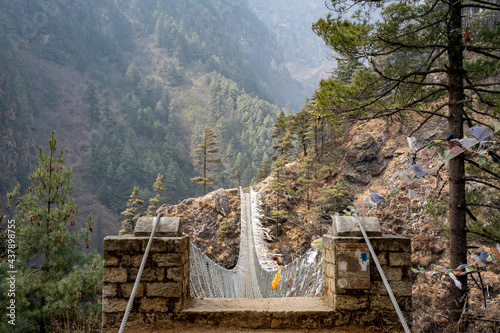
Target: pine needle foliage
158,189
206,158
55,277
132,213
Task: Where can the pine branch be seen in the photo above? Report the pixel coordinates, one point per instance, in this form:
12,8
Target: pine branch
483,205
467,179
480,167
482,52
495,4
482,234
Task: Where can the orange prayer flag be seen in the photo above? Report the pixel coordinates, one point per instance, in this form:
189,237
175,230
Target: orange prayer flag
276,280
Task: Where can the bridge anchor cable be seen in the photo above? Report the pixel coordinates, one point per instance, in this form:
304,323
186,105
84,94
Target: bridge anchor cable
386,283
139,273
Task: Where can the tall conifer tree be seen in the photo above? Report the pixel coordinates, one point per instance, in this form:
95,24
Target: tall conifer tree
55,278
206,158
132,213
158,189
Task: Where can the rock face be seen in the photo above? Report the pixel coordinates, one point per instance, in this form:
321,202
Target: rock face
364,161
221,202
213,222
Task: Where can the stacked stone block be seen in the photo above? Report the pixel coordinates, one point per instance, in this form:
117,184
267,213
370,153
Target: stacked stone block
164,284
372,306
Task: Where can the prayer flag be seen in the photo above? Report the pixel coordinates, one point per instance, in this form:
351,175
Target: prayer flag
368,201
414,185
417,168
457,283
457,271
480,132
491,257
497,126
411,142
392,191
470,268
412,194
404,176
451,137
425,152
430,274
495,251
484,256
467,142
455,151
376,197
482,148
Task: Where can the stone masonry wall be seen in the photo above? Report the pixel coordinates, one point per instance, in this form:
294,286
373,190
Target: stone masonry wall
372,306
164,285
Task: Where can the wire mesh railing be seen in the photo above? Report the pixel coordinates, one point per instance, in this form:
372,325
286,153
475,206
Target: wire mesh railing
255,270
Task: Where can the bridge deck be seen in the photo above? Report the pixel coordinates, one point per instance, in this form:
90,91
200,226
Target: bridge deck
283,304
262,313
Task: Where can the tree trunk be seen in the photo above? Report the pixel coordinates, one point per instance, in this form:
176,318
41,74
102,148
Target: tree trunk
205,167
457,215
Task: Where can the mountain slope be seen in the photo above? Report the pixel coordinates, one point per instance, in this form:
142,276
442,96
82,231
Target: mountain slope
305,54
128,87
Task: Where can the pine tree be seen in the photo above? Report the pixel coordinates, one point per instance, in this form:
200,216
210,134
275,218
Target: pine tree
307,177
331,200
205,149
264,171
238,169
91,99
158,188
300,127
132,213
283,148
279,181
278,185
282,134
55,278
132,74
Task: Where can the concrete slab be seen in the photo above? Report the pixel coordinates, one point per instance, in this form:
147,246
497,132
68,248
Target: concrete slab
263,313
167,227
347,226
283,304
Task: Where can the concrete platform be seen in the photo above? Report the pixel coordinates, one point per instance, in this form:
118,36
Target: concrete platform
263,313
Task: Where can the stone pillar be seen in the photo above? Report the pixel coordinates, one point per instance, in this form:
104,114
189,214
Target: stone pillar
164,285
367,302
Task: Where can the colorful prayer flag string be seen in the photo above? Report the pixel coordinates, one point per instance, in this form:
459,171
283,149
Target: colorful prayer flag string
485,257
465,144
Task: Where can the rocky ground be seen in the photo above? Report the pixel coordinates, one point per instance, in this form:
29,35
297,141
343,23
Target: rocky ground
368,156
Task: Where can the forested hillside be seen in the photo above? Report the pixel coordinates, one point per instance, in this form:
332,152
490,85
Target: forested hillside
129,86
290,21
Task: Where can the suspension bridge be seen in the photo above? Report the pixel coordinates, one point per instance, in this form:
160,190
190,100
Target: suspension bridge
180,283
255,271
